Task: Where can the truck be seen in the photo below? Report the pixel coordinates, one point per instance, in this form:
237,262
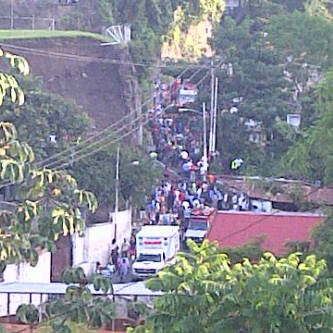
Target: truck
156,247
198,225
183,93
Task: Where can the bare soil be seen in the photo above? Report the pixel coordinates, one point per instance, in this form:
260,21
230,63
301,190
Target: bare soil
96,86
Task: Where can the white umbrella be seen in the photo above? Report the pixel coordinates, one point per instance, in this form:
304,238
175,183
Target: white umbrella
184,155
153,154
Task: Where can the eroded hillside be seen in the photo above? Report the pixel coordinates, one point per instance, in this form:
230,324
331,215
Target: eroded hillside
97,85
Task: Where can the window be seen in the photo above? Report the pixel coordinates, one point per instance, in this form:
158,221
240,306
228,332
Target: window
294,120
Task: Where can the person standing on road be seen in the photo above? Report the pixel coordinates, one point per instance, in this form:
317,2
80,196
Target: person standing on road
132,249
114,253
123,269
124,248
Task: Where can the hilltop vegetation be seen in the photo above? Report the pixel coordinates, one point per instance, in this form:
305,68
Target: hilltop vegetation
277,52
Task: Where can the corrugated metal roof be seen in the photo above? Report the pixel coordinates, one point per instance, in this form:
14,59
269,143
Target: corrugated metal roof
120,289
317,195
233,229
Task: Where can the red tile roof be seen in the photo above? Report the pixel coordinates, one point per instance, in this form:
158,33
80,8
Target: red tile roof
232,229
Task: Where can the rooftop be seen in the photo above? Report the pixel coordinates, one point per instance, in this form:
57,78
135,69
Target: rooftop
120,289
315,194
233,229
157,231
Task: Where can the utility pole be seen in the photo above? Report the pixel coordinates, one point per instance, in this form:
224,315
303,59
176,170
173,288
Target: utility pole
117,195
138,107
204,138
215,115
12,14
211,106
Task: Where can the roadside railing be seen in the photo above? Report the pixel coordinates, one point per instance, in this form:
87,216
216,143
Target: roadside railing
27,22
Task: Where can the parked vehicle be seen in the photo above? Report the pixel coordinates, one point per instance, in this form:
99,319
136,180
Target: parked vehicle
198,226
183,93
156,247
197,229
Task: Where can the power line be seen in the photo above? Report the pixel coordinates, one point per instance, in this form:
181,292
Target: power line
112,125
92,137
81,58
96,143
99,134
100,141
104,145
107,143
83,143
105,129
109,128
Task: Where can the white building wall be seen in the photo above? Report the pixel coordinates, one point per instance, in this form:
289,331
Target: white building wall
87,250
96,243
124,225
25,273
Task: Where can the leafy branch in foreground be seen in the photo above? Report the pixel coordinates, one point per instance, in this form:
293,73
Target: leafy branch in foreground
78,305
47,203
204,293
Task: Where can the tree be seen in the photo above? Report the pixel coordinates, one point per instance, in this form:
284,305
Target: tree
273,55
44,114
138,175
47,203
254,97
305,39
323,240
311,157
319,7
203,293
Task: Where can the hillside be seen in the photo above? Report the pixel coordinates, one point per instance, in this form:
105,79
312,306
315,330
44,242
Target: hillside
97,86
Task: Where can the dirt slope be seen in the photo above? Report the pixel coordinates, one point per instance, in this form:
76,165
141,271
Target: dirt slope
96,86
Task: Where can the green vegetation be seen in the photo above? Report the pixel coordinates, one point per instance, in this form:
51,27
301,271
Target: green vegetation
278,51
311,156
323,237
138,175
78,309
47,203
251,250
31,34
44,114
203,293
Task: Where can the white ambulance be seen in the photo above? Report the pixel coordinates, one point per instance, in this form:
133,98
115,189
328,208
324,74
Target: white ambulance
156,247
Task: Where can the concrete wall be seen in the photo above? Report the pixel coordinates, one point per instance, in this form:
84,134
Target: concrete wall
25,273
95,244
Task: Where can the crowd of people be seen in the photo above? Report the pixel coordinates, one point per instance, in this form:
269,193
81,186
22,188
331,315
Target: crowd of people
119,260
188,190
179,148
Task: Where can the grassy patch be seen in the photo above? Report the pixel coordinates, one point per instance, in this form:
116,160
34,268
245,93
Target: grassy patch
31,34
